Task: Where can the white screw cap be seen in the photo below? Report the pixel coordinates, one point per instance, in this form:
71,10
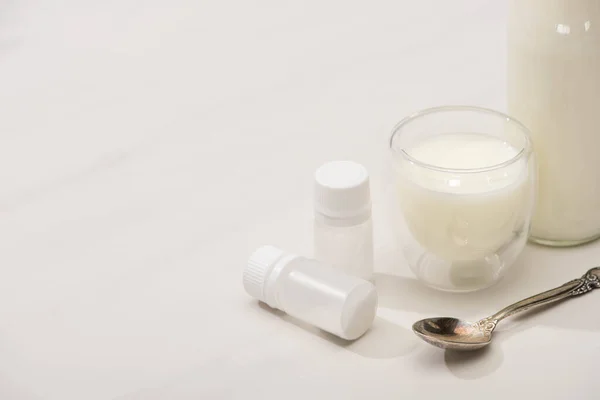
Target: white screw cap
257,271
342,190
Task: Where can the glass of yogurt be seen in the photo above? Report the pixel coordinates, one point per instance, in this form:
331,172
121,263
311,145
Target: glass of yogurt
464,184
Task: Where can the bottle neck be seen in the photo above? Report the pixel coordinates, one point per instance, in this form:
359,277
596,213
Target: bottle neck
271,284
354,220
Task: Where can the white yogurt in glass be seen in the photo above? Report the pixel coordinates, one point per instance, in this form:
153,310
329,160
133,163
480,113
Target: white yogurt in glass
463,215
464,184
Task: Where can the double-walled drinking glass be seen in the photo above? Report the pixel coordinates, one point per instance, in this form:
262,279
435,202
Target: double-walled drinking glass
464,184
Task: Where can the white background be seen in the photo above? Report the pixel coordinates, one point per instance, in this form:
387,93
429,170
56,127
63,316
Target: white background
147,147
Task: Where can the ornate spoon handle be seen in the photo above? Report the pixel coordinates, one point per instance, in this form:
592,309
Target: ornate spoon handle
590,280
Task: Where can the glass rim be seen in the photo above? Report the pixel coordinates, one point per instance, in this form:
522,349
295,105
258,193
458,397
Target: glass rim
524,151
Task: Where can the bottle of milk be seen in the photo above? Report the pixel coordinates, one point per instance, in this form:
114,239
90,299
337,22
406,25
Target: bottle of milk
554,89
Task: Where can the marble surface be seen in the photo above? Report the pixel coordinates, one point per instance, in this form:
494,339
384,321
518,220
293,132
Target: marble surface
147,147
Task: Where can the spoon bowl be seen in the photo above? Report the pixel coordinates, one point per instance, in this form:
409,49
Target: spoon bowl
451,333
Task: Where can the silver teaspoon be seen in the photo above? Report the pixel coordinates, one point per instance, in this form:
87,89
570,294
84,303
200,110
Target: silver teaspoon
453,333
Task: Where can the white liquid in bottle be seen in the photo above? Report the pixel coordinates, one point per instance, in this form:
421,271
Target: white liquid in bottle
554,89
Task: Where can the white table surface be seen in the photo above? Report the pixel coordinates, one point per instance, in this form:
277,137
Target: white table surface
146,148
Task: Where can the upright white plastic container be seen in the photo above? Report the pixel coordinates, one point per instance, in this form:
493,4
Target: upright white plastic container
343,228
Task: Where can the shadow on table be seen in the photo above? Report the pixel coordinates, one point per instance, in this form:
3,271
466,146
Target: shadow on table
384,340
471,365
526,278
534,272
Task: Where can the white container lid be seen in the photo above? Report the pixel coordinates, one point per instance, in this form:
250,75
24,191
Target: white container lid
342,191
259,267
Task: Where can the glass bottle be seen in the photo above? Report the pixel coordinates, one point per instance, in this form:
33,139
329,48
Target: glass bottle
554,89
